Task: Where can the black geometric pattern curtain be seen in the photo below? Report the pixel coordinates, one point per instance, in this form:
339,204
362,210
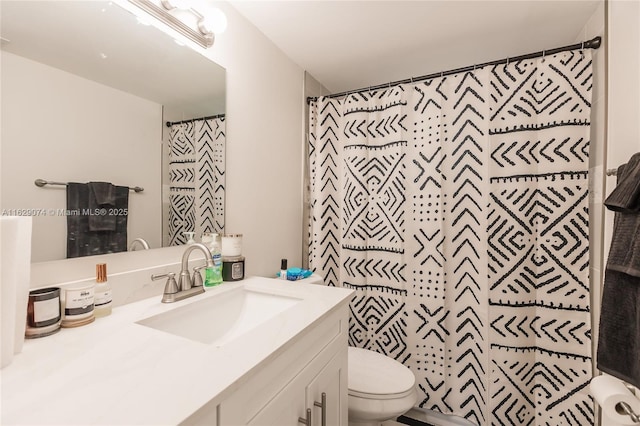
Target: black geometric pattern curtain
196,178
457,210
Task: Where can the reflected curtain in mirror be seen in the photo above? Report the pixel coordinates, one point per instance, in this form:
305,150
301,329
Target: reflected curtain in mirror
196,177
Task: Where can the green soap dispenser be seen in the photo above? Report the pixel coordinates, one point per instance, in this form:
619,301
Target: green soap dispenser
213,274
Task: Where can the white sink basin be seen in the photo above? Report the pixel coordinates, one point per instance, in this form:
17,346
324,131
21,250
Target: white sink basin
219,319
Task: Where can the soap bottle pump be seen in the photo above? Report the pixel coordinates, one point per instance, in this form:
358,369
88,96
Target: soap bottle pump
190,236
103,295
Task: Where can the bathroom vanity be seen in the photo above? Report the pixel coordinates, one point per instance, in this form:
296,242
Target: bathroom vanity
255,352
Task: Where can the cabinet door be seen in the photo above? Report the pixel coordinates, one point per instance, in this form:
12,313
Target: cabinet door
284,409
305,391
332,381
281,391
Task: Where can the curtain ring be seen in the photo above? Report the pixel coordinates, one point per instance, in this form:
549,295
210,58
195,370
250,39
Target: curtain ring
582,47
544,53
507,60
411,80
474,67
441,74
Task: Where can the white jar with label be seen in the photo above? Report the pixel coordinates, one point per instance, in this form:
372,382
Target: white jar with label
78,305
231,245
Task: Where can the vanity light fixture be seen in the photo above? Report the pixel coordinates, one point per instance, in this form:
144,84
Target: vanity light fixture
176,4
202,36
212,21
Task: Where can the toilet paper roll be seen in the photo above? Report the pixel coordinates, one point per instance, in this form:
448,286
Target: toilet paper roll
8,235
15,268
23,279
609,391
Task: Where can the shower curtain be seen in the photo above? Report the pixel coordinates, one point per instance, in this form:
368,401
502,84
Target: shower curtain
456,208
196,178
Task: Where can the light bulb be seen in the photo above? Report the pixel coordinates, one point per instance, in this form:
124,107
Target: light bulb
214,21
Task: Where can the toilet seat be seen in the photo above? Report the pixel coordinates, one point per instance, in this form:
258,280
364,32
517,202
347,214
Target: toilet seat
376,376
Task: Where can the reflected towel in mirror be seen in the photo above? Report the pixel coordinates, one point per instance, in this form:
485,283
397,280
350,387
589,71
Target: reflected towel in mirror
102,197
81,240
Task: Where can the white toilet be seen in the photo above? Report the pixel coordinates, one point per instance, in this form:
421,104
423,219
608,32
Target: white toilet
380,388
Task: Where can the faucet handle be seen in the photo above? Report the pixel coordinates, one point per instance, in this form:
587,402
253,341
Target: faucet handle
197,277
171,287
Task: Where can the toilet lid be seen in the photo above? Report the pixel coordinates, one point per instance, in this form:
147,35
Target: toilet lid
371,373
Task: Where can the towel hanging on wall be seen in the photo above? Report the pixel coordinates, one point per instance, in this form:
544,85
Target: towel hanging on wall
97,218
619,343
626,195
102,195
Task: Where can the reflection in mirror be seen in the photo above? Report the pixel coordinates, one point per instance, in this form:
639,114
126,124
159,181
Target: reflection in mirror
87,90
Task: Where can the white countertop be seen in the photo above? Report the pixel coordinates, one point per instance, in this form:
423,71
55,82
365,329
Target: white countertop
115,371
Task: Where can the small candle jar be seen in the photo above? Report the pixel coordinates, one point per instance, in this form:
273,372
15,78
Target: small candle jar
78,302
43,312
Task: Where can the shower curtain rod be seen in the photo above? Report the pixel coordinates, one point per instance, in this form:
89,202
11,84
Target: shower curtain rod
211,117
594,43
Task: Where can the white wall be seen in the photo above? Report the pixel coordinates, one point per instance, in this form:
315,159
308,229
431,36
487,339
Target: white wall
312,88
623,132
53,129
264,145
623,93
623,126
596,27
624,87
615,128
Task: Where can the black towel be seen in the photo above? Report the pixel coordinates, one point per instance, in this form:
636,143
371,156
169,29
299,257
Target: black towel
619,340
626,195
81,240
102,201
624,254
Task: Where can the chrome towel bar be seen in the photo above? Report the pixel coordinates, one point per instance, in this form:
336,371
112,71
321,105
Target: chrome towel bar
42,182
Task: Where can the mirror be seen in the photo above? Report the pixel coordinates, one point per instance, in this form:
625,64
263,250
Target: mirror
86,91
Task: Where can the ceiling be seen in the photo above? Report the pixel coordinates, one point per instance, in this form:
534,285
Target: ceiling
347,45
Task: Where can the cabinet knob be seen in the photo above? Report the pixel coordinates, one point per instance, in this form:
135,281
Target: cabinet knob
323,407
306,421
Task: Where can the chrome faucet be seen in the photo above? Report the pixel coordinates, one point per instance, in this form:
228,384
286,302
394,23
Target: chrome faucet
186,287
140,241
184,280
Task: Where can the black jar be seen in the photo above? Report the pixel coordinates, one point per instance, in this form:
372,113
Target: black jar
233,268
